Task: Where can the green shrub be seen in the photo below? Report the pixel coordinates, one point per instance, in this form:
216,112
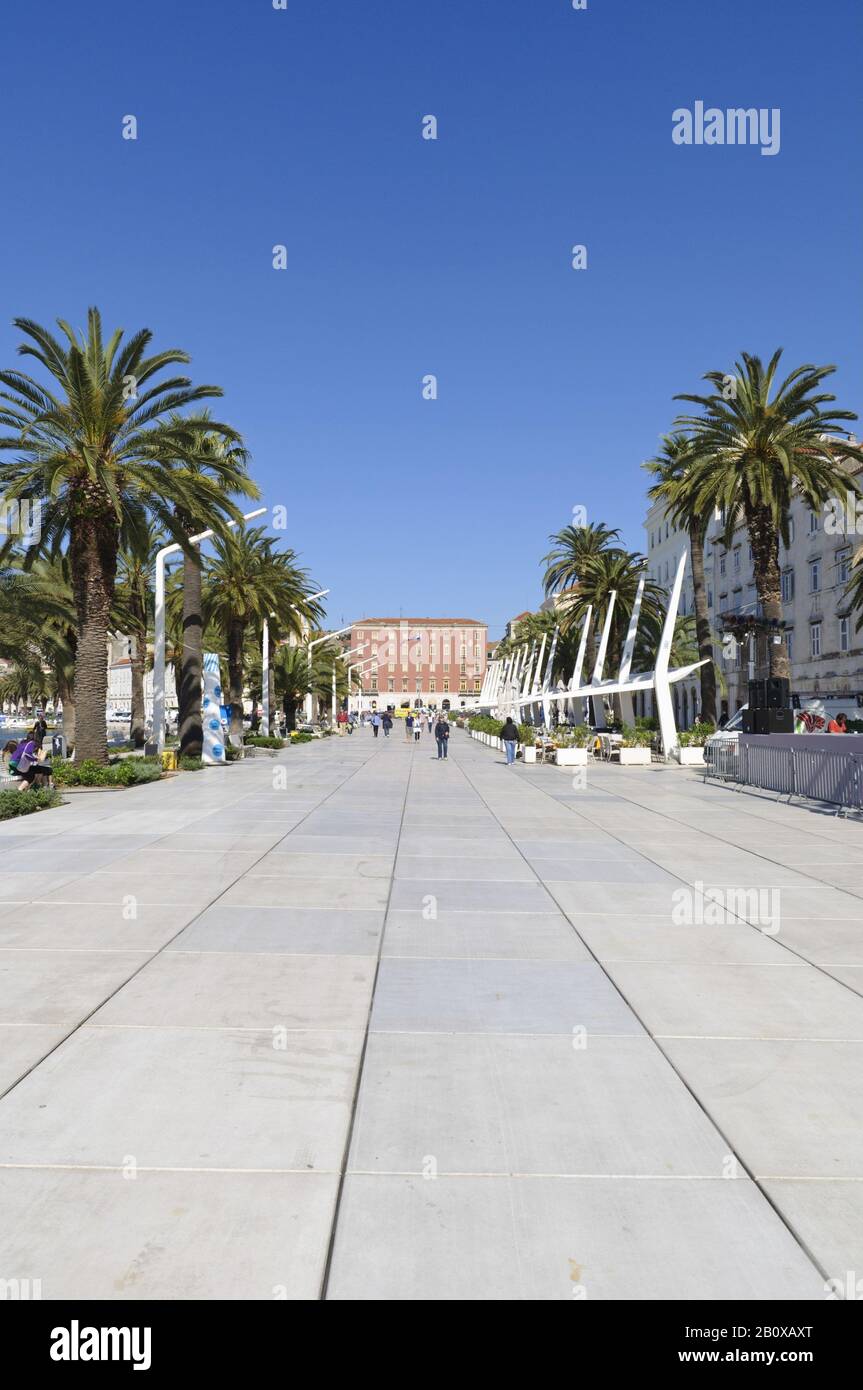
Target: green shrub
190,764
635,738
579,736
264,741
24,803
647,721
298,737
131,772
527,735
697,736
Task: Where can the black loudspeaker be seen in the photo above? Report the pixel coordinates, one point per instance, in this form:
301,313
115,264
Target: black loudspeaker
774,721
757,694
778,692
747,721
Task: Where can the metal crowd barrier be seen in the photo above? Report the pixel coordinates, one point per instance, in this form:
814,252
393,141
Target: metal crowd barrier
821,767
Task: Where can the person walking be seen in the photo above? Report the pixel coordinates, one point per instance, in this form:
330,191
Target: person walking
387,722
429,720
509,737
409,727
441,733
376,723
418,728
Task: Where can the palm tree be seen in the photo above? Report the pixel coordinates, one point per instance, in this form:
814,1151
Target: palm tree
245,582
756,446
290,672
96,444
572,549
38,631
672,469
619,572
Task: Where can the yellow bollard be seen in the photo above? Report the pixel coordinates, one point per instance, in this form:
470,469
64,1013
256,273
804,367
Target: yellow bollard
169,760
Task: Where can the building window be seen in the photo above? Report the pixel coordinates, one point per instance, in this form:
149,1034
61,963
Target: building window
813,523
787,585
445,687
843,565
419,685
404,685
446,666
391,685
723,603
709,597
844,634
432,685
737,559
462,685
815,639
722,563
789,643
374,685
791,530
814,576
477,686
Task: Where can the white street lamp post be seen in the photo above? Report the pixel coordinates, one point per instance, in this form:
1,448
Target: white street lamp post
265,677
159,628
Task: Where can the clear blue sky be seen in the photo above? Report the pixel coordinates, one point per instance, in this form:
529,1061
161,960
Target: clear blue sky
408,257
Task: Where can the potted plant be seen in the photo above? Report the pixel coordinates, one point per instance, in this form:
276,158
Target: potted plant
527,739
634,748
571,746
690,744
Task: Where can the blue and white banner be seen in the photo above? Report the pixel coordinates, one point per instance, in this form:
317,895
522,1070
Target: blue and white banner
214,737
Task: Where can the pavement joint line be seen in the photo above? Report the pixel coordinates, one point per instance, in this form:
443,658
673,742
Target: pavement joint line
583,815
399,1173
265,1028
196,913
360,1070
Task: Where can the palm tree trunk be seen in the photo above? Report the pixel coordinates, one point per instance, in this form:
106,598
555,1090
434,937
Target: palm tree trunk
235,676
290,708
137,722
765,563
707,674
191,728
93,562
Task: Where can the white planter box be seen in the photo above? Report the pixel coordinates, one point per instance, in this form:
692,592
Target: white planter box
571,757
691,757
634,757
529,753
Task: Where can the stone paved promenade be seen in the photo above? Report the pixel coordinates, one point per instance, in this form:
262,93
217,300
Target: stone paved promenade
402,1029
